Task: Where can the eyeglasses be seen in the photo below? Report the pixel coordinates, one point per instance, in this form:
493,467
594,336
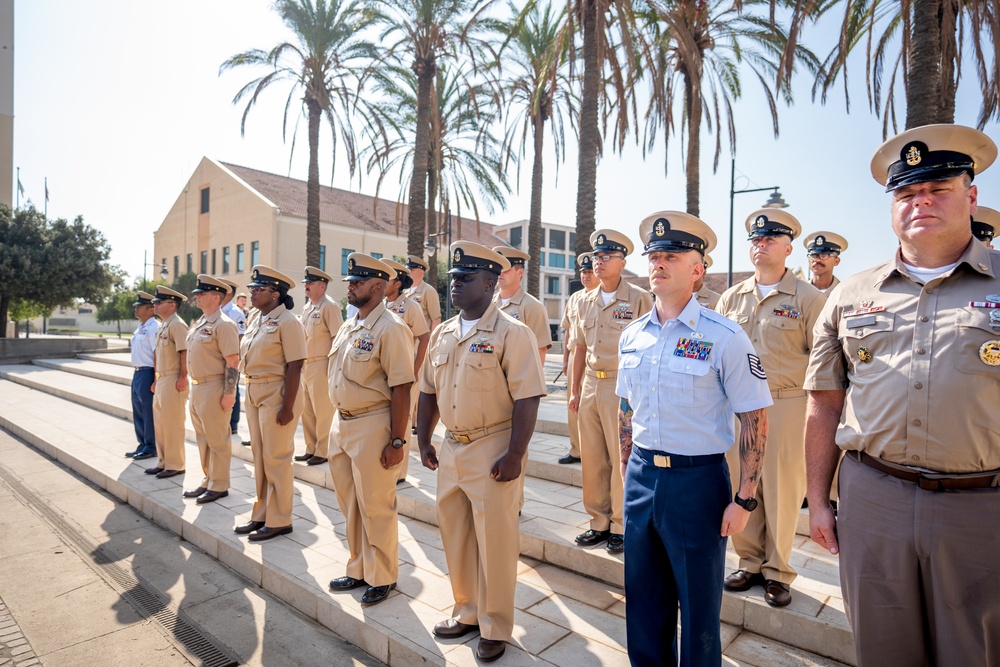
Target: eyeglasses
822,255
254,290
605,258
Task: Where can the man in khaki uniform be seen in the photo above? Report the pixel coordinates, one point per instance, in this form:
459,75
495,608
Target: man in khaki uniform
321,318
170,393
823,251
513,300
484,381
568,325
422,293
213,347
604,313
984,224
371,370
777,310
400,305
903,377
706,298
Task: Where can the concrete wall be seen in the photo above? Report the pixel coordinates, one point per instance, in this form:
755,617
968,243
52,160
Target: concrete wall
21,350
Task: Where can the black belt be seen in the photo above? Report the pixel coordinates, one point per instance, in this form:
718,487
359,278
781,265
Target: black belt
930,481
668,460
143,368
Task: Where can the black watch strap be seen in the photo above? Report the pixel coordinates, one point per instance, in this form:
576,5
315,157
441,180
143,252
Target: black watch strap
397,443
750,504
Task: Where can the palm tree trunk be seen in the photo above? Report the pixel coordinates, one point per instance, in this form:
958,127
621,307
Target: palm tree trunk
590,133
4,308
923,82
535,216
312,185
949,56
692,168
424,70
432,266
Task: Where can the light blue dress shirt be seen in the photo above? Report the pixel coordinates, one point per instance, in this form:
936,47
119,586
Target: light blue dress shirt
144,343
233,312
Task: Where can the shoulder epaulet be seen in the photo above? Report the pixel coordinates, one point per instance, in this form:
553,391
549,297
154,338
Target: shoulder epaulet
720,319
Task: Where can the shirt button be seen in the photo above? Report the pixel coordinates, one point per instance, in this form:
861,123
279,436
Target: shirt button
654,387
919,385
921,350
914,458
687,367
916,422
923,318
930,291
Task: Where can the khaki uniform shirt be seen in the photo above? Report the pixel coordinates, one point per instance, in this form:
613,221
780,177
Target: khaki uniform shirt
920,363
170,342
271,342
523,307
780,325
209,341
478,376
599,327
836,281
321,322
707,298
410,312
368,359
427,297
570,317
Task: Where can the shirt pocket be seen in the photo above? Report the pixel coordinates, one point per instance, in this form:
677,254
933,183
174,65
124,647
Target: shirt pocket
782,334
630,366
868,348
685,379
976,342
480,371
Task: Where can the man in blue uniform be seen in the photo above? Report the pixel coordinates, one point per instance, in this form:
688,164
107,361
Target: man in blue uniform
683,371
142,345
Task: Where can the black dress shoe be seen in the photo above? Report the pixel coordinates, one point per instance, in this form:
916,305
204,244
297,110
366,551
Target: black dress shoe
194,493
129,455
346,584
376,594
777,594
592,537
413,431
450,628
245,443
248,527
616,544
490,649
141,457
211,497
302,457
741,580
315,460
569,458
266,533
153,471
164,474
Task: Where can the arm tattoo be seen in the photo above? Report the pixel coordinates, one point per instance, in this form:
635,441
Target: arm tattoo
753,440
232,376
625,428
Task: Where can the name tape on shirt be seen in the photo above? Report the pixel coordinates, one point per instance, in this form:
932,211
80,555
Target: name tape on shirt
756,368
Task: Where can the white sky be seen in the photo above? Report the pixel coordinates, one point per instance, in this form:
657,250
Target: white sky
116,102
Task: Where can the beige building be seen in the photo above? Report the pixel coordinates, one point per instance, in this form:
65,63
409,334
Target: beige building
228,218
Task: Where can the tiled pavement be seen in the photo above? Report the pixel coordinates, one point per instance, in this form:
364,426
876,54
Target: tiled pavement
15,651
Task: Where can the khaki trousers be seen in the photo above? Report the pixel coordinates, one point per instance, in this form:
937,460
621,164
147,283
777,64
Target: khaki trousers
404,467
600,454
168,422
211,426
477,516
572,418
273,447
366,493
765,545
317,409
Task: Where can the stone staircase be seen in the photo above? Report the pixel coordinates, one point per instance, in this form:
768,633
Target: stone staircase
570,604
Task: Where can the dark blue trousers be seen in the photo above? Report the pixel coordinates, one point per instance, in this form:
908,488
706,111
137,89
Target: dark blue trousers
142,410
234,418
674,557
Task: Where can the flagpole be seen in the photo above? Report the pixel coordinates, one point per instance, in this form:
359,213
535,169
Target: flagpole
18,188
46,197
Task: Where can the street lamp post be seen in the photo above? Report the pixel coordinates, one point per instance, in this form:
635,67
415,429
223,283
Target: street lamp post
163,269
431,247
774,201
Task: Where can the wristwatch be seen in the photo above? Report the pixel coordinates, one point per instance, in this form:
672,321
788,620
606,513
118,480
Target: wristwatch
397,443
750,504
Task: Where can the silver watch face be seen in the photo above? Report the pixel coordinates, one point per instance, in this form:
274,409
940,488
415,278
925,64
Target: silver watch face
397,443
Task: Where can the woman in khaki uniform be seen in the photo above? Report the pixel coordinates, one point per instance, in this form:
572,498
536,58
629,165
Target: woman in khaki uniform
170,392
271,360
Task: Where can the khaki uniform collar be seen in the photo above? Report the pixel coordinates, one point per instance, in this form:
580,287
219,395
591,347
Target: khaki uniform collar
487,322
372,318
515,298
976,256
786,284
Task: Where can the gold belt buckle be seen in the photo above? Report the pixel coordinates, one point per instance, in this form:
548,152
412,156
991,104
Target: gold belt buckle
157,376
193,381
346,414
464,439
601,375
661,461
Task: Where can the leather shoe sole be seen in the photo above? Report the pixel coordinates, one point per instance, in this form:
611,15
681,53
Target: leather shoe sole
450,628
211,497
164,474
777,594
248,527
302,457
376,594
153,471
194,493
346,584
568,459
266,533
315,461
592,537
741,580
490,649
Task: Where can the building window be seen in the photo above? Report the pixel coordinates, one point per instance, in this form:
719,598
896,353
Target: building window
204,262
572,241
213,261
239,258
190,263
378,255
557,239
557,260
515,237
204,200
541,262
255,253
225,259
344,254
177,266
552,285
572,262
322,258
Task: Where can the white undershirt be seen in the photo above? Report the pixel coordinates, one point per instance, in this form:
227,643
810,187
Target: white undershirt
608,296
927,275
766,289
466,326
504,302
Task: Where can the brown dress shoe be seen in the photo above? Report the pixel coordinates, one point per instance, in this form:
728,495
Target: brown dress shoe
315,460
490,649
451,628
777,594
164,474
211,497
266,533
194,493
153,471
741,580
248,527
302,457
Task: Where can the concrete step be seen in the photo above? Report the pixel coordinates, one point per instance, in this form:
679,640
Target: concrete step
92,369
110,357
553,515
562,618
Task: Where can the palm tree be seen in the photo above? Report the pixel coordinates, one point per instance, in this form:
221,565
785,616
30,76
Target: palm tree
326,67
698,50
425,32
933,38
538,90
